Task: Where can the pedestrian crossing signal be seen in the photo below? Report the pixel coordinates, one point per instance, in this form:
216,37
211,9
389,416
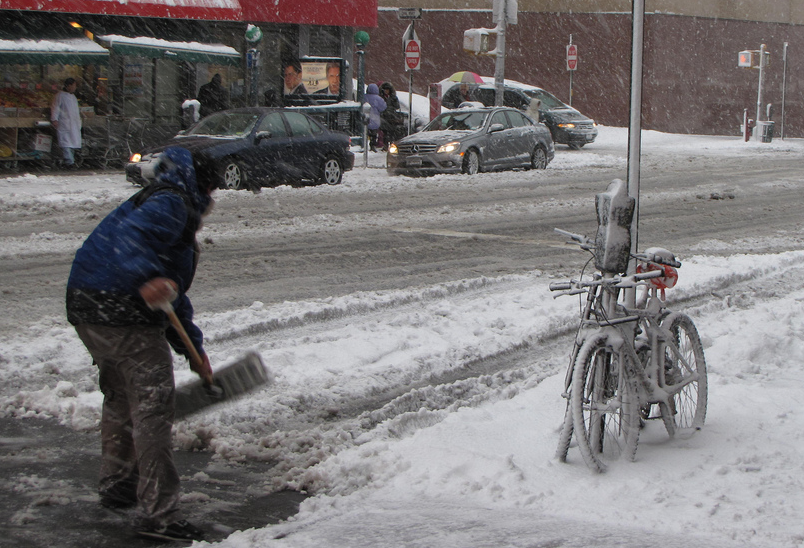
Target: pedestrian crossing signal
748,59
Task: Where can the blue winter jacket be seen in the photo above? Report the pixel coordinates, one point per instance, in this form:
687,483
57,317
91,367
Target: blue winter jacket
377,105
136,243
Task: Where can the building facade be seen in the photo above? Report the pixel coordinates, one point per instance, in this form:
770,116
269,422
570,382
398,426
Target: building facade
143,59
691,82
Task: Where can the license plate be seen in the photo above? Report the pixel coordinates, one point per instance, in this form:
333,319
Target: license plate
413,162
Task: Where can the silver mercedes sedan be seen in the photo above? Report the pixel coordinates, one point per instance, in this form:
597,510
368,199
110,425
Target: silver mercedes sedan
472,139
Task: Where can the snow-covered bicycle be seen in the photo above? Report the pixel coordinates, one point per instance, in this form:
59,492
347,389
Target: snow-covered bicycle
629,364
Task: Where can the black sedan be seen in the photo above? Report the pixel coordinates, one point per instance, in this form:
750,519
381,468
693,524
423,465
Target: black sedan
255,147
470,140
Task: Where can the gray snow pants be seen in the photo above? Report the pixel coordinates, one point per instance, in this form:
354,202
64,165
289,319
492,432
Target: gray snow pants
136,377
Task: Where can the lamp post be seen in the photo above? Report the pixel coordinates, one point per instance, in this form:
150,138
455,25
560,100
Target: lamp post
361,39
253,37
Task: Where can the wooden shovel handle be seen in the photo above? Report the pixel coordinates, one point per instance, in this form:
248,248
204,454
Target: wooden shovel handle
188,344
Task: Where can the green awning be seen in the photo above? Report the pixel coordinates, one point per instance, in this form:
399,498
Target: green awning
191,52
53,51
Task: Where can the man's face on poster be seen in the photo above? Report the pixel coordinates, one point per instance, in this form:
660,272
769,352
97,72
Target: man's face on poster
292,78
334,79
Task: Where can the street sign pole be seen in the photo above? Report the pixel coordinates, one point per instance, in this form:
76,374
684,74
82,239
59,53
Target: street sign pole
635,130
410,86
499,64
784,87
572,64
411,47
758,132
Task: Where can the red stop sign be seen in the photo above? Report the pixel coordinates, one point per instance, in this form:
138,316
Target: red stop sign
412,54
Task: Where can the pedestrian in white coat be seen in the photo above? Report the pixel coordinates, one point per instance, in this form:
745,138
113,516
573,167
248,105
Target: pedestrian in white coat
66,118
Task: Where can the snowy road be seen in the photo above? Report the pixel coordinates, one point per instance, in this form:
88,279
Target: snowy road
419,355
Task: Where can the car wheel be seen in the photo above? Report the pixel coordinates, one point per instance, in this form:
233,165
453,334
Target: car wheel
233,177
471,162
538,158
331,171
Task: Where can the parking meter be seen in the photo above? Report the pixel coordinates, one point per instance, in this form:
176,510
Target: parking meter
615,211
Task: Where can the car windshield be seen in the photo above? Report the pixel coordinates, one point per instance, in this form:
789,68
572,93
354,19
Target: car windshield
548,101
225,124
457,120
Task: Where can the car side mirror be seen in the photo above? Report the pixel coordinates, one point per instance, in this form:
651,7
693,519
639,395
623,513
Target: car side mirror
263,135
496,127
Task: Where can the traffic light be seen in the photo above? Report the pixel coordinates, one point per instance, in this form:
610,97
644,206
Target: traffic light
476,41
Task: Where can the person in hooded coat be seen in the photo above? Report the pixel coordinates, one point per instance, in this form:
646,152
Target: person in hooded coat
392,123
213,96
140,256
372,97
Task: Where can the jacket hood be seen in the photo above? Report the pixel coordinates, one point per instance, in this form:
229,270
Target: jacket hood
176,168
372,89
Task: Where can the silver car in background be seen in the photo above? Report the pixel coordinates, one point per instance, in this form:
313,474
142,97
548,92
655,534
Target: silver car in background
470,140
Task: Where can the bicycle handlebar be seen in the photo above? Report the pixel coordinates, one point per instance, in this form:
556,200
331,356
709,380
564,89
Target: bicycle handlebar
573,287
579,239
589,244
653,258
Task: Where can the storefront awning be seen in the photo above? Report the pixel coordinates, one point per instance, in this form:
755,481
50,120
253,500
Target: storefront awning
53,51
209,10
154,48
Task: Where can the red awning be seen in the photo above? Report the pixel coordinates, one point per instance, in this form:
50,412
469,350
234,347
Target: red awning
347,13
212,10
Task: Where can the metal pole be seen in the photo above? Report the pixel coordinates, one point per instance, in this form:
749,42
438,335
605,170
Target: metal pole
758,132
784,88
635,127
499,65
571,72
361,80
410,104
410,86
635,131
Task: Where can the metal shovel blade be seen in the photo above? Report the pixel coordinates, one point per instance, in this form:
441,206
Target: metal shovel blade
229,382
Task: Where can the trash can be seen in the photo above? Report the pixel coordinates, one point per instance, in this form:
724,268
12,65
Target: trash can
765,129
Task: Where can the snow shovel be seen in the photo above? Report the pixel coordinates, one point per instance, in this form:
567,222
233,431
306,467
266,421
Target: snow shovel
229,382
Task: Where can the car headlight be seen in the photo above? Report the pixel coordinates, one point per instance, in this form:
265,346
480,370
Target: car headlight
392,149
136,157
449,147
566,126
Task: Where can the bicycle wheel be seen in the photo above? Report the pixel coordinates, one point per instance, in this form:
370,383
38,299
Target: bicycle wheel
565,435
603,406
684,373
